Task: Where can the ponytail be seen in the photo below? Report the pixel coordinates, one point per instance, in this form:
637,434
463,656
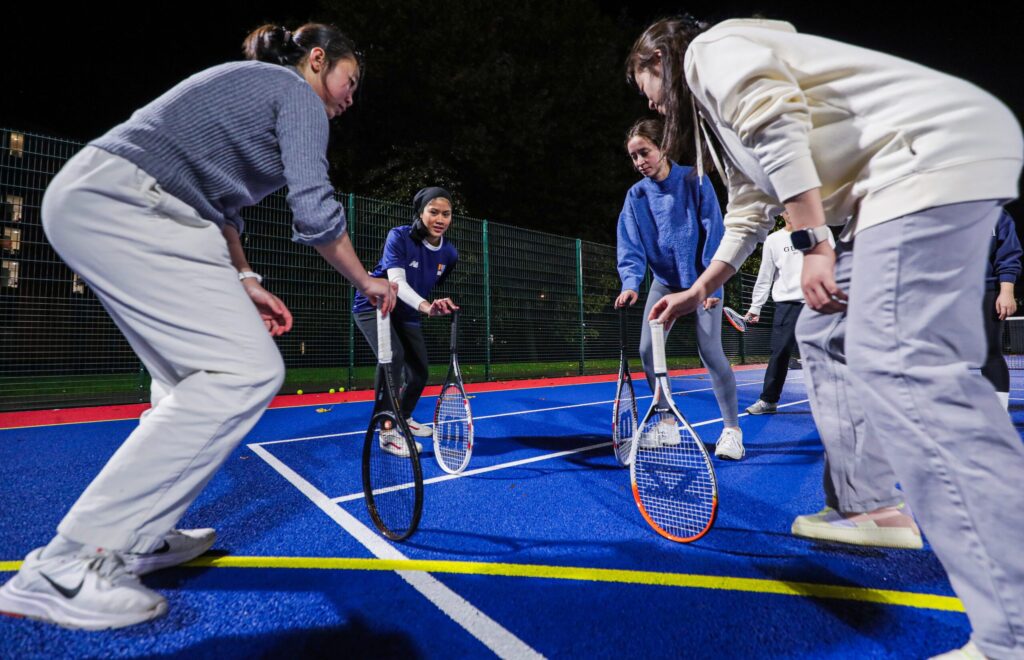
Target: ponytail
277,45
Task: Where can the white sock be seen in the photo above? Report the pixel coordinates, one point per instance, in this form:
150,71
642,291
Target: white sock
1004,398
60,546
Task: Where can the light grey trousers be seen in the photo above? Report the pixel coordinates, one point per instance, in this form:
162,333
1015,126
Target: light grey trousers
709,348
895,398
164,275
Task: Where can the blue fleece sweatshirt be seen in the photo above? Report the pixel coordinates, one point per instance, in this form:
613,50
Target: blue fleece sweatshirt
662,227
1004,254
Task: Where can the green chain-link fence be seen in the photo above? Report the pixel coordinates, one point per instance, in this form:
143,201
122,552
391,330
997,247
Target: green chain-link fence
533,304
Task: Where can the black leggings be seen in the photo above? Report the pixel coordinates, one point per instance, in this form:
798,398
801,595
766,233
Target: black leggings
994,369
409,367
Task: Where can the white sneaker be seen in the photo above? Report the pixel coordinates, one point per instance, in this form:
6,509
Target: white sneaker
730,444
967,652
393,443
179,546
761,407
648,439
662,435
668,434
887,527
92,592
418,429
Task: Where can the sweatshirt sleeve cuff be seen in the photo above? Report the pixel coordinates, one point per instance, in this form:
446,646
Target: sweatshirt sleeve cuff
734,249
796,176
630,285
329,235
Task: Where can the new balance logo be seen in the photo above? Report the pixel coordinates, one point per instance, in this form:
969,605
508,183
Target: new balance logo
414,264
67,593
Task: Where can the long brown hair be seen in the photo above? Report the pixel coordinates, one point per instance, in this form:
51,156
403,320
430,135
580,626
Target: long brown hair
669,38
651,129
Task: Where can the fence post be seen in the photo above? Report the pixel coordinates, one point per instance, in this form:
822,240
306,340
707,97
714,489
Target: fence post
351,213
487,306
579,295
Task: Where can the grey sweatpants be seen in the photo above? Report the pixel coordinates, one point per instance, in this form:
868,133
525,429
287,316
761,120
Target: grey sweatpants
913,332
857,475
164,275
709,347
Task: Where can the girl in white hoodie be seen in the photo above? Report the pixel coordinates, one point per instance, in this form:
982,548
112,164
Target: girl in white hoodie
920,163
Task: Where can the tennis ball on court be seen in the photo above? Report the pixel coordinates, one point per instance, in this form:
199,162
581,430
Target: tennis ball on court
299,392
341,389
331,391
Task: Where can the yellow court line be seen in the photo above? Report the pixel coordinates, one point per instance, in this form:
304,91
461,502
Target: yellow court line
725,583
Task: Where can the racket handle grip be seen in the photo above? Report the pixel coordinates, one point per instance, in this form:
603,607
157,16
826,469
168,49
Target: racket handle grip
455,332
622,328
383,338
658,347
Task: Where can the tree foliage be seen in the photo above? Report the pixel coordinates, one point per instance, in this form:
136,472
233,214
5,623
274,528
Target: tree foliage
520,106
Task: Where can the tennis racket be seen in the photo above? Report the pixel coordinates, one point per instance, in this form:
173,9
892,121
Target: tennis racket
392,478
624,415
453,420
673,481
735,319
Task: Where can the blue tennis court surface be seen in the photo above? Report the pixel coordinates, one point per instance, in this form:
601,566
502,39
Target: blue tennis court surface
537,549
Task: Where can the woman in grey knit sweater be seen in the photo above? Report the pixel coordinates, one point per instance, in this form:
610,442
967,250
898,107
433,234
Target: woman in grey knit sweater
148,215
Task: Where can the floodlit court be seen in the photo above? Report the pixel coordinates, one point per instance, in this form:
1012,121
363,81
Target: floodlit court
537,549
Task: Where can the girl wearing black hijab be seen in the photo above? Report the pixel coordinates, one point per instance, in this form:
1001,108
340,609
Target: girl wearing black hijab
416,257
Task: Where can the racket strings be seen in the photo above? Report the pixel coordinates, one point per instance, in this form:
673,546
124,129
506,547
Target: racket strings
673,478
625,423
452,430
391,478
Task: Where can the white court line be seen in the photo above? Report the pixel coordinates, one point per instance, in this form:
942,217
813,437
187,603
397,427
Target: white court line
492,634
469,473
507,414
512,464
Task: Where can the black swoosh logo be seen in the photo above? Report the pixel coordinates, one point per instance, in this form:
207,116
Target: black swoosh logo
67,593
162,549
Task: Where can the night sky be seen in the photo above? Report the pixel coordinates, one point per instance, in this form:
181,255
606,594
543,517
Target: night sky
77,73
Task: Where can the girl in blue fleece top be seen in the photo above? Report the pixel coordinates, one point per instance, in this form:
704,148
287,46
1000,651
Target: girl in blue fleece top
671,222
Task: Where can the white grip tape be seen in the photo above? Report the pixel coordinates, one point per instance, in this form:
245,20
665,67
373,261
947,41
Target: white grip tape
658,346
383,339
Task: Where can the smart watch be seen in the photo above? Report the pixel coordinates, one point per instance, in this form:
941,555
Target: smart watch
805,239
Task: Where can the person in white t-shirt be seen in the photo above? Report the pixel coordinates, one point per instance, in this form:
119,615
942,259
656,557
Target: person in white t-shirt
780,263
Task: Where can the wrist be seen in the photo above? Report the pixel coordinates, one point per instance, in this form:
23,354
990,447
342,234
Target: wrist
362,281
700,289
820,249
424,307
809,239
246,276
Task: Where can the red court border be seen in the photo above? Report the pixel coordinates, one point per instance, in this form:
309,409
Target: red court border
53,417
